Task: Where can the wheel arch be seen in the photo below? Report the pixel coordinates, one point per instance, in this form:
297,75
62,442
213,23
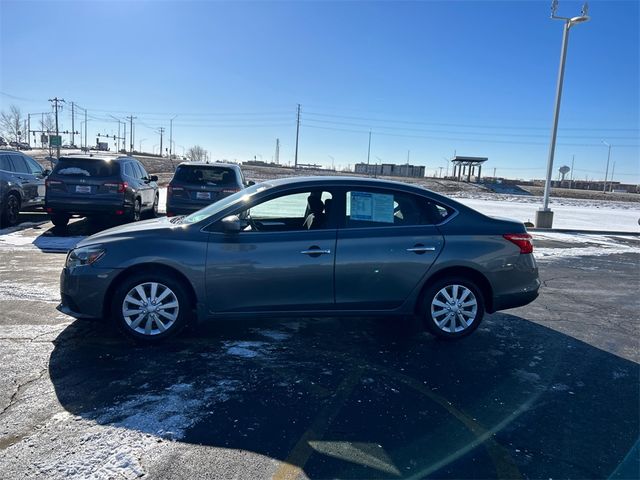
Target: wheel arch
148,268
465,272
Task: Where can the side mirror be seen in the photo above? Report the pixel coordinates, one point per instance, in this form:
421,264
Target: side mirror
250,182
231,224
46,172
153,178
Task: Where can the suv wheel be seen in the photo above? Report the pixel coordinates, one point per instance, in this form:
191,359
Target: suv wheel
154,210
60,220
150,307
137,210
452,308
11,210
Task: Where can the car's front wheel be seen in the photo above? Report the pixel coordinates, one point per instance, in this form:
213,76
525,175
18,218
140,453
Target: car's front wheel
452,308
151,307
11,211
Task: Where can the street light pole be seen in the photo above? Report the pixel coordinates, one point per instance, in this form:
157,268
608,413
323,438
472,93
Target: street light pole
606,172
171,135
544,216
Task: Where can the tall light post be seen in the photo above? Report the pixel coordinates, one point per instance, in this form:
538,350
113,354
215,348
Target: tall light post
141,140
606,172
171,136
544,216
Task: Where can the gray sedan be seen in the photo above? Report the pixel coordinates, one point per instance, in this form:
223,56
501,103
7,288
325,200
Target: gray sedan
311,246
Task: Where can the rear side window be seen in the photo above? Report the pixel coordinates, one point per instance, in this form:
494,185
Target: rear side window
75,167
5,164
206,175
128,170
19,165
386,209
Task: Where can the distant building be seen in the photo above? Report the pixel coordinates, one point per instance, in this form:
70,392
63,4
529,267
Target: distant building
390,170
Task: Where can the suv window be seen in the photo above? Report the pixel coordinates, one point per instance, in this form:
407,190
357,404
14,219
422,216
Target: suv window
83,167
34,166
5,163
206,175
128,170
19,165
387,208
143,172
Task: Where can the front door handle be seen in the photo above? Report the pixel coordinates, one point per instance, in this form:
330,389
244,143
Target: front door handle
315,251
420,249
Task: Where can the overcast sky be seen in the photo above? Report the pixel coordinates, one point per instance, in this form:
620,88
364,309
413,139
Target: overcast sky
429,78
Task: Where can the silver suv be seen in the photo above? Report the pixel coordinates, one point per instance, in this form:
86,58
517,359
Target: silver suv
21,185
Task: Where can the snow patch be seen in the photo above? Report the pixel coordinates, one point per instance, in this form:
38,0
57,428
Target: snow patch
245,349
36,292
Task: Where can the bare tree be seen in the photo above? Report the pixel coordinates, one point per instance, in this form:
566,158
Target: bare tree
47,123
196,154
11,123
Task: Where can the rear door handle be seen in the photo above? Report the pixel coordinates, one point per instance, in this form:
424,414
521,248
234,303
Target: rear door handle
419,249
315,252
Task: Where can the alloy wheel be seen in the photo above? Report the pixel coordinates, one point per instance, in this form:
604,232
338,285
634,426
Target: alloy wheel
150,308
454,308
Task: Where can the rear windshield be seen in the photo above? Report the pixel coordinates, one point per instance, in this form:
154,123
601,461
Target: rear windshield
77,167
205,175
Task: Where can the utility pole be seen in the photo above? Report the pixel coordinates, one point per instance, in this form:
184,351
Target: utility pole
171,136
613,169
73,128
494,172
29,129
161,131
408,153
369,149
573,159
56,101
606,172
440,172
277,151
131,143
295,165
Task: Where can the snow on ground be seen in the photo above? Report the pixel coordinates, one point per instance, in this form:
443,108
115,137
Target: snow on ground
37,292
162,199
569,213
581,245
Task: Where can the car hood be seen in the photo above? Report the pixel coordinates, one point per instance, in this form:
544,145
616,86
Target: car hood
129,231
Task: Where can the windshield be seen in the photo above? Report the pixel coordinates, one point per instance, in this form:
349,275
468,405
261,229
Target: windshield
242,196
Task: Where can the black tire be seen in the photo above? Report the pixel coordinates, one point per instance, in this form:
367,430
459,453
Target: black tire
60,220
153,213
156,334
10,210
136,212
443,318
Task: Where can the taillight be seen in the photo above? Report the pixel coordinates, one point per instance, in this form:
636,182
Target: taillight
522,240
119,187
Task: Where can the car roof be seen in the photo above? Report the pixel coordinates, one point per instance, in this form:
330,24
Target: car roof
84,156
208,164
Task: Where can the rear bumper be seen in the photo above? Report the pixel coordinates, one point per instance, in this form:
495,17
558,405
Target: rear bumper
83,291
85,207
513,300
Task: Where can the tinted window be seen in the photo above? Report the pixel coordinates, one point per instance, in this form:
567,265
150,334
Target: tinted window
78,167
5,164
19,165
386,208
128,170
143,172
33,166
206,175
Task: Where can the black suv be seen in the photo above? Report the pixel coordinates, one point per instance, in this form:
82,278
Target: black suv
21,185
197,184
100,186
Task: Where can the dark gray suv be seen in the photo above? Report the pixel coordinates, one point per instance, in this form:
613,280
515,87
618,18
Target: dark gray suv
305,246
100,186
22,185
196,184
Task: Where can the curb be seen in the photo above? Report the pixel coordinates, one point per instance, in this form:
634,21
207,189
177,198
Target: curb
592,232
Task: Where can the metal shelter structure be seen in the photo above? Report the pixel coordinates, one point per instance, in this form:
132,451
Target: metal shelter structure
467,166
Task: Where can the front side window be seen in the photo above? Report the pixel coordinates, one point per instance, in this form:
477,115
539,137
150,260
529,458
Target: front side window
296,211
33,166
5,163
373,208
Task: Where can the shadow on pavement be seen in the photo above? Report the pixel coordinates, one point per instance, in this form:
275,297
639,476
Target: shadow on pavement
356,398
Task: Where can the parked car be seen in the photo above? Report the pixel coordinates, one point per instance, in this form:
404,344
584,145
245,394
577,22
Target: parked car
3,142
22,185
305,246
100,186
196,184
24,146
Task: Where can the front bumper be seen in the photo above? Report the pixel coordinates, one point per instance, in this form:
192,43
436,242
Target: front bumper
83,290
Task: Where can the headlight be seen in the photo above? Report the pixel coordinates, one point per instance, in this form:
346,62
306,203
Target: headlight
84,256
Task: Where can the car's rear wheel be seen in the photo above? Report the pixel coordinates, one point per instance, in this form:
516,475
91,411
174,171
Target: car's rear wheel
60,220
11,211
154,211
151,307
452,307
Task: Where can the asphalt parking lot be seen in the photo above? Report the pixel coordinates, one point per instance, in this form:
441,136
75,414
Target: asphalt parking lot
545,391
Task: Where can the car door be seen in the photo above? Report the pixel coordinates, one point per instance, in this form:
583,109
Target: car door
387,242
38,173
275,263
28,181
146,186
